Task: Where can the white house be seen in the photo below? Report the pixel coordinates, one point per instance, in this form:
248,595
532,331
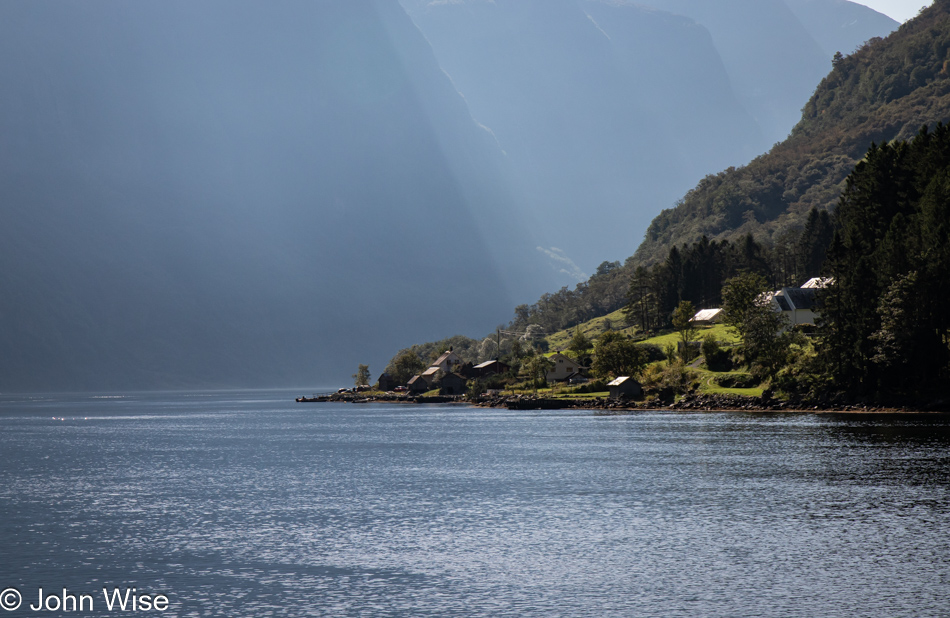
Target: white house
796,304
447,362
564,368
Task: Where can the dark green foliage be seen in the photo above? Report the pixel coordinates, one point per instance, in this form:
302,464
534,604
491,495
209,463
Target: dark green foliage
537,368
737,380
682,315
696,273
652,351
886,328
765,344
813,242
405,365
615,355
594,386
717,359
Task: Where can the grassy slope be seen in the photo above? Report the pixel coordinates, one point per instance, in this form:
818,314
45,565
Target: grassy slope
594,328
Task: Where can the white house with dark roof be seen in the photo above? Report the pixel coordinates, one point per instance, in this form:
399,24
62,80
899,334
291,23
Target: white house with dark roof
798,304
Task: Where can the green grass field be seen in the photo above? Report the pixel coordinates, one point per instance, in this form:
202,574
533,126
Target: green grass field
707,384
615,321
720,331
592,329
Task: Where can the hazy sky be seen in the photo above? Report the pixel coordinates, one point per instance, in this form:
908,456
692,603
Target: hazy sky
901,10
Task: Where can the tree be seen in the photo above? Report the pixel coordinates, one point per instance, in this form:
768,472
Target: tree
579,344
538,367
742,295
361,377
746,309
885,327
642,300
682,322
813,242
615,355
404,366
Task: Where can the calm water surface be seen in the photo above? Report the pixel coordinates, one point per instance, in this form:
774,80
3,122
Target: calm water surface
247,504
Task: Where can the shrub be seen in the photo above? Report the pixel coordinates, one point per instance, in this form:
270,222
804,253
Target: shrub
737,380
653,352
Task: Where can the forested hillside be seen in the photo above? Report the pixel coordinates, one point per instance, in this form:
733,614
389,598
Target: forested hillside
886,329
886,90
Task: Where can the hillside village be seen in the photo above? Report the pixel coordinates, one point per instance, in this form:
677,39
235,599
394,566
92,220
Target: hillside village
706,353
825,257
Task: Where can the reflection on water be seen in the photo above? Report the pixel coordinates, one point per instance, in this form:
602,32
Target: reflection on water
249,504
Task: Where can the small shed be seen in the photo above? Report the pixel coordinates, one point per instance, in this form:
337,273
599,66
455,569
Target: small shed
386,382
489,368
431,376
452,384
418,385
625,387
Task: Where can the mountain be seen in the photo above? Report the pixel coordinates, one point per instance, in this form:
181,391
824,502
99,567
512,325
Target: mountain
238,193
839,25
775,51
610,110
885,90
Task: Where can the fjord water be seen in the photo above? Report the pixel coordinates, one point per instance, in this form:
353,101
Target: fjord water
247,504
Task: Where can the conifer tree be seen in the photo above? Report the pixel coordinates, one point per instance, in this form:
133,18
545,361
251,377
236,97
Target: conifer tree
885,327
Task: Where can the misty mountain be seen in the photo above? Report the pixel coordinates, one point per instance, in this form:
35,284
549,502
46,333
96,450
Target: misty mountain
610,110
776,51
239,194
839,25
886,90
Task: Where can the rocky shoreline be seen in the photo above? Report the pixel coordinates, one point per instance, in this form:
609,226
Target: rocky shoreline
665,401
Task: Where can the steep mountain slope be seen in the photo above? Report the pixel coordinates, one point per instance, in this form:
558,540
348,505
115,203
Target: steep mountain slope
238,194
609,110
886,90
